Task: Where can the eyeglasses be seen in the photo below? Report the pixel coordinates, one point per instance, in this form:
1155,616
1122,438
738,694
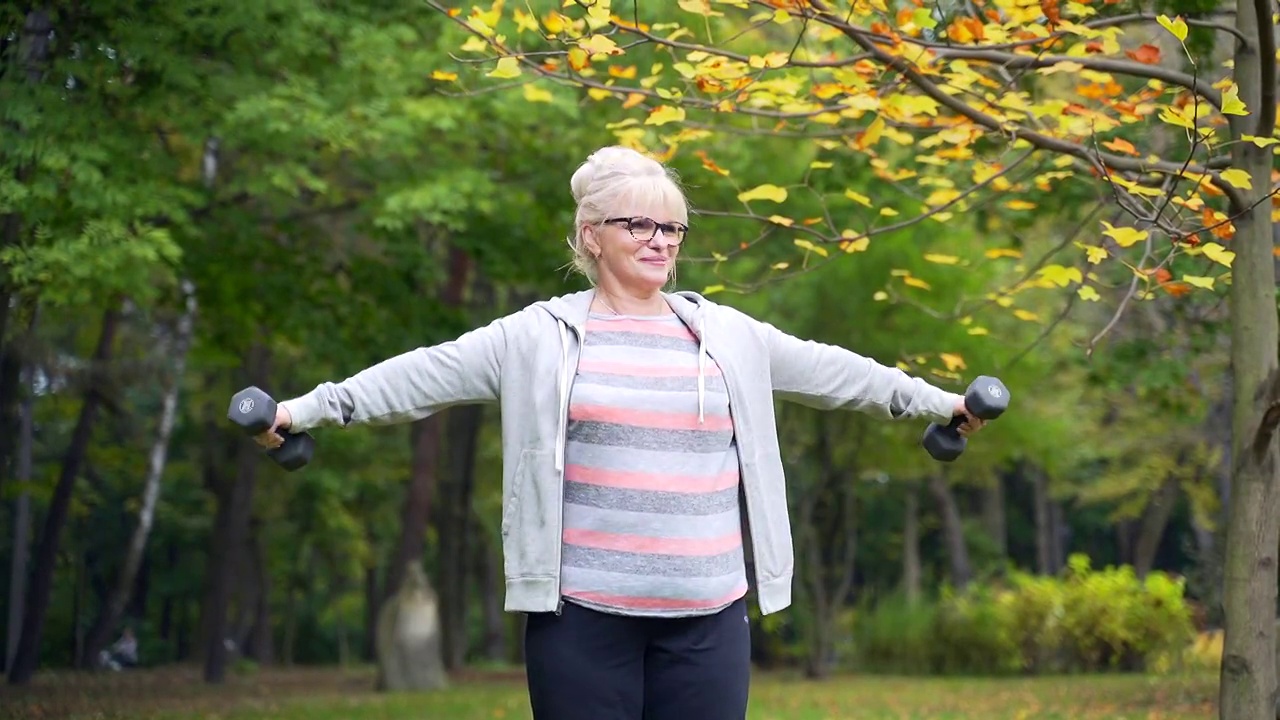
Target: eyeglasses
644,229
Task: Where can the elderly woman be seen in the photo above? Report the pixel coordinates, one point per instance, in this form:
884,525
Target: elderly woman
641,466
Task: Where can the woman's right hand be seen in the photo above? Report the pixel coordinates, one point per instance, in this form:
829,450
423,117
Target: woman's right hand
271,439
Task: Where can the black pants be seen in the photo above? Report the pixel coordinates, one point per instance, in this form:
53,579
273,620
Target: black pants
588,665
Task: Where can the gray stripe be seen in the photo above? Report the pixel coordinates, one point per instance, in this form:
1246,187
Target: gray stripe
626,436
643,357
629,522
615,583
598,339
649,501
714,383
650,564
716,404
651,461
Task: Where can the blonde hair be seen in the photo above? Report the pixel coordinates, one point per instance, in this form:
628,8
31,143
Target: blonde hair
607,183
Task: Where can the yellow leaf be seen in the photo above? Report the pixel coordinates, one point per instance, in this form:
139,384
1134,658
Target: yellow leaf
888,212
952,361
916,282
763,192
1086,292
859,245
780,220
977,331
806,245
664,114
1198,281
533,93
712,289
1124,236
508,67
995,253
1260,141
941,259
820,165
1237,178
1177,26
1231,102
880,296
699,7
858,198
770,60
1095,253
1025,315
780,266
442,75
600,45
1020,205
1217,253
1060,275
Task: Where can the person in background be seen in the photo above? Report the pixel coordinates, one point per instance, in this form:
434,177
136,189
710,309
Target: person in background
643,487
123,653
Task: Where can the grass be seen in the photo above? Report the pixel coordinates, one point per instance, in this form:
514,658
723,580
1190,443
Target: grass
332,694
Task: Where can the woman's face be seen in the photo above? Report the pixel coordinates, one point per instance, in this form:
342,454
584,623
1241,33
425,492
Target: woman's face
636,251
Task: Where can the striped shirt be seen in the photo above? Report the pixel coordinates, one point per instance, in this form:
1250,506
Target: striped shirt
651,512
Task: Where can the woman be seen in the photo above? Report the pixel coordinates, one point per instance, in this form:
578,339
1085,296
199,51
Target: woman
643,486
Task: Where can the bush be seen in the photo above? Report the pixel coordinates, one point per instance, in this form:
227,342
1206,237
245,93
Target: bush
1087,620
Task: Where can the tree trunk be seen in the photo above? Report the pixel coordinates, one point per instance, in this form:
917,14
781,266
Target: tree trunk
100,634
952,531
36,605
1043,520
1154,520
21,533
489,569
993,514
453,523
425,438
1248,669
231,530
259,645
911,574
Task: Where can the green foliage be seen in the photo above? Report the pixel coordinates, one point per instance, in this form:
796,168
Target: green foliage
1087,620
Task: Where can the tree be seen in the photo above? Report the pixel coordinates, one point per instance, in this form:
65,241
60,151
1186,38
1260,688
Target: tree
961,99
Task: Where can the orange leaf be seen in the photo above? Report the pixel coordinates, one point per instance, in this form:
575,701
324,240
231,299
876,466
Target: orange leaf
1121,145
1146,54
710,164
1050,10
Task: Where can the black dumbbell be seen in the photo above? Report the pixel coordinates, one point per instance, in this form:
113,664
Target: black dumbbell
255,411
986,399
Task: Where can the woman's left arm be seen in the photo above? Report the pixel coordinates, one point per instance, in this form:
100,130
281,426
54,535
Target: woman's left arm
833,378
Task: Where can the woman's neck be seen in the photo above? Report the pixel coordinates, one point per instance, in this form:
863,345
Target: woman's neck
617,302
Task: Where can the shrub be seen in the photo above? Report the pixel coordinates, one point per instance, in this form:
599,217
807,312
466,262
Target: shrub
1086,620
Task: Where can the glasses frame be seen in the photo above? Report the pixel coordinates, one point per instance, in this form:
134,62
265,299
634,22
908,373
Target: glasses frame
674,233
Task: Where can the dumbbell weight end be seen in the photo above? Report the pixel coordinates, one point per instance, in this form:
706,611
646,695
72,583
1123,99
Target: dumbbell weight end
255,412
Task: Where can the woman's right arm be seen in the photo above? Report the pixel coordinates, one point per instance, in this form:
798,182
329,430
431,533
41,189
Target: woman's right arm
409,386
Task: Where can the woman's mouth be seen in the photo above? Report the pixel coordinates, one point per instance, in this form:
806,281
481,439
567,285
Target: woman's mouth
654,260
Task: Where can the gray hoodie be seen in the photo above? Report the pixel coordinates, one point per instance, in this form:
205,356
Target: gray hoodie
526,363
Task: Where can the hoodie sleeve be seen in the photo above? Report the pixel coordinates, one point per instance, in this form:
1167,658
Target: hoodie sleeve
833,378
412,385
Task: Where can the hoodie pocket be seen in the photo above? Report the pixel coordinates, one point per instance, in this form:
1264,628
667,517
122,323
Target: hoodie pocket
531,516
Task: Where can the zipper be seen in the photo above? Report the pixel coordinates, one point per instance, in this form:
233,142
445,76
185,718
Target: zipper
727,371
564,442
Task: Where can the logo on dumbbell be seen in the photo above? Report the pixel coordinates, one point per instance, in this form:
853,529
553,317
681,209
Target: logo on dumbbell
994,390
246,406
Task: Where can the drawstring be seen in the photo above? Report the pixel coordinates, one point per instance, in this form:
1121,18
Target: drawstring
702,356
560,392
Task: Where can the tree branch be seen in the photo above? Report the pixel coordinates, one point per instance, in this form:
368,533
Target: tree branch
1145,17
1045,142
1267,56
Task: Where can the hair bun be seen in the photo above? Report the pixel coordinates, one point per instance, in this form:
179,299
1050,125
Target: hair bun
611,161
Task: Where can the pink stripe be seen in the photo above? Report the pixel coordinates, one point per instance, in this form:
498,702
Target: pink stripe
649,418
641,327
651,370
657,603
687,547
657,482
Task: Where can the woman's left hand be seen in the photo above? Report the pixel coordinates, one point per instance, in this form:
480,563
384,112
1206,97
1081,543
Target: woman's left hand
972,424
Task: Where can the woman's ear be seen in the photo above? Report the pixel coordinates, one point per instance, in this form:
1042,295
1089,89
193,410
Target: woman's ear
591,241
